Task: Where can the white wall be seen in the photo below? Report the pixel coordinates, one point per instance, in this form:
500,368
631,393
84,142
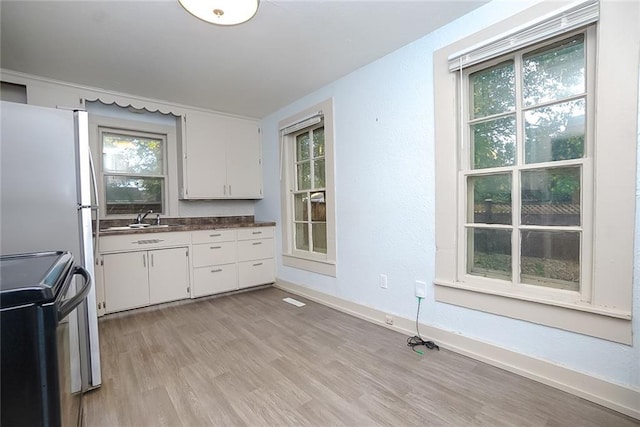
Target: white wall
385,206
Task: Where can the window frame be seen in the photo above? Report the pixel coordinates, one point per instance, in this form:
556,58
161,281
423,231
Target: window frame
98,123
515,286
291,256
102,130
607,313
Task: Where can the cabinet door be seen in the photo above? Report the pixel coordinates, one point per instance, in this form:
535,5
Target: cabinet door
204,168
168,275
126,283
244,165
258,272
216,253
255,249
214,279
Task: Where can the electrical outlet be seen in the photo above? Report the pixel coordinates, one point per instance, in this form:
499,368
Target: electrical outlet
383,281
388,320
421,289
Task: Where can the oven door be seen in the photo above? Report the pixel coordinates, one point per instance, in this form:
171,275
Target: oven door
69,352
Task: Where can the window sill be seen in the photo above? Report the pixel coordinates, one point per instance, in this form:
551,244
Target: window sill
328,268
601,322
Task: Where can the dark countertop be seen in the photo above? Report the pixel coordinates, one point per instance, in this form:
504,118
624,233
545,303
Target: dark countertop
180,224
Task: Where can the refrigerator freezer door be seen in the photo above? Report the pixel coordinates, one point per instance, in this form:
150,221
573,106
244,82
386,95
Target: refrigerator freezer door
41,189
38,180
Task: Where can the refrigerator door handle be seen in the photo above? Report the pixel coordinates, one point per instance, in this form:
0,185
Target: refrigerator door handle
70,304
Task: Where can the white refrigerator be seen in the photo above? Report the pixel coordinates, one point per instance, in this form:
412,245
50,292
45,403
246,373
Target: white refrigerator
46,204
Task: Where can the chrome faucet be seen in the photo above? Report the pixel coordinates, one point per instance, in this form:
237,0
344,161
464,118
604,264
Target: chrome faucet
141,217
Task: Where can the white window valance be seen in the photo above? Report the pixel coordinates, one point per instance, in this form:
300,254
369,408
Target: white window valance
151,107
572,17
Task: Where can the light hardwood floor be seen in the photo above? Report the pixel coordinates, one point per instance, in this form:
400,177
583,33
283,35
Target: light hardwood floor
250,359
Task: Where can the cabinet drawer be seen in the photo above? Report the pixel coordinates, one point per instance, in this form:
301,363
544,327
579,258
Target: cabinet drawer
143,241
255,249
255,233
214,253
258,272
212,280
206,236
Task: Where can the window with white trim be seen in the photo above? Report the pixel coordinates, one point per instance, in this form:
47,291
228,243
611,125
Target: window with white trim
133,171
307,190
526,169
536,172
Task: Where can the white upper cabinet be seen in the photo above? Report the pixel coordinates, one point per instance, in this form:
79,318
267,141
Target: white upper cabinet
220,157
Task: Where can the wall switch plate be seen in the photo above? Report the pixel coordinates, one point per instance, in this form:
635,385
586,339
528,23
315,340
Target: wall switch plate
383,281
421,289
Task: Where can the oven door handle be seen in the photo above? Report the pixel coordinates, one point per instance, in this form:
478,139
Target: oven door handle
69,305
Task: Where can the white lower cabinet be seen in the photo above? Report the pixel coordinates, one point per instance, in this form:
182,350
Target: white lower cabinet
256,264
227,260
137,279
214,262
126,281
151,268
214,279
258,272
168,275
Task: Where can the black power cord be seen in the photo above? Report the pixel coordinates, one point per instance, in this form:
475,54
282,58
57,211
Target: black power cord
417,340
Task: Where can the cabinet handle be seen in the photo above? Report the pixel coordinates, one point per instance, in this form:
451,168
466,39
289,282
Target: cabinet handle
147,242
144,260
215,235
217,270
224,189
215,247
229,189
151,260
257,232
258,264
257,243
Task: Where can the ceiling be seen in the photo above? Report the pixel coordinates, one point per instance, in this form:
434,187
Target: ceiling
155,49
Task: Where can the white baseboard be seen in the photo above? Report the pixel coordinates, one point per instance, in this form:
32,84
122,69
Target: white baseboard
622,399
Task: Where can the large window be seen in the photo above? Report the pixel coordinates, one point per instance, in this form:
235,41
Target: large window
133,171
526,178
310,219
307,190
536,137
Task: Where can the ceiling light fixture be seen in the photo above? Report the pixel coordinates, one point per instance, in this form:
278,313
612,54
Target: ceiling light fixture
222,12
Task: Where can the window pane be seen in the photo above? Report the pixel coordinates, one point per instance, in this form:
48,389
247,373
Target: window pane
318,142
128,194
554,72
129,154
304,176
318,174
555,132
318,207
302,236
319,231
493,90
489,253
551,196
491,196
302,147
300,207
494,143
551,259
